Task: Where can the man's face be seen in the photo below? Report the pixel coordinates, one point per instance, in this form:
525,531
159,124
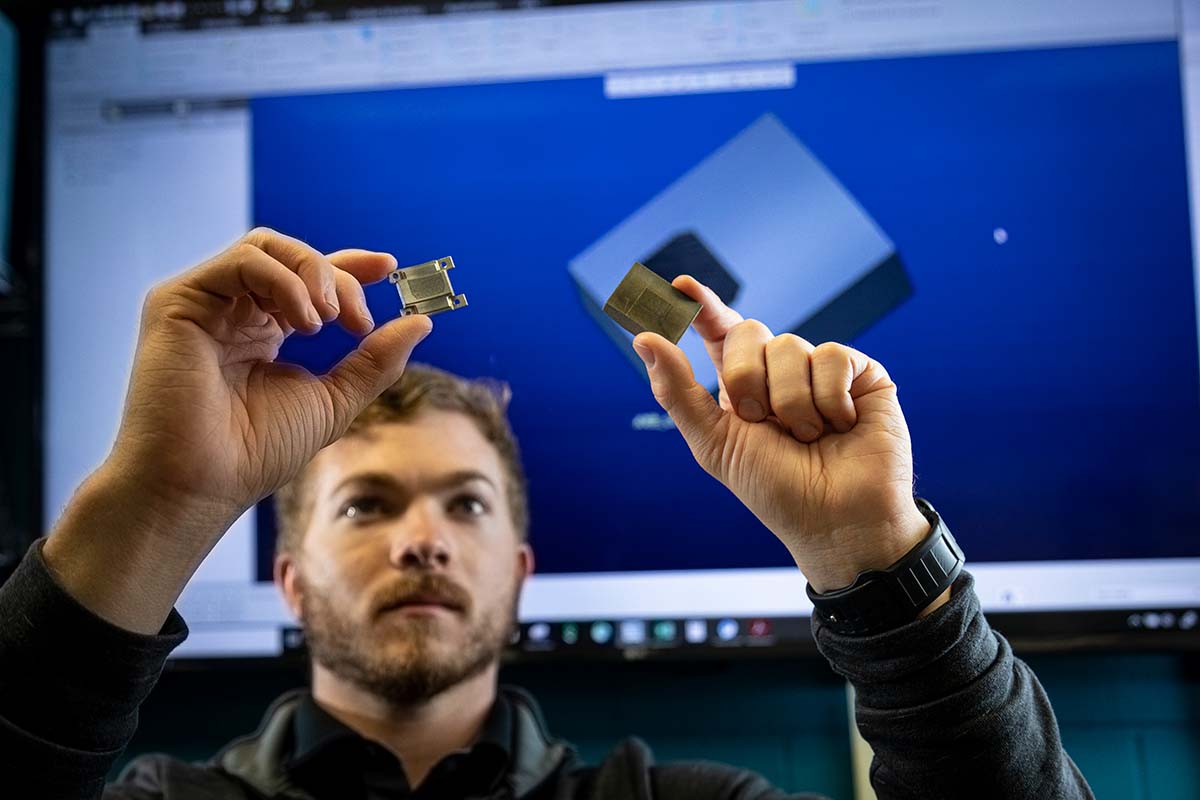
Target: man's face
408,574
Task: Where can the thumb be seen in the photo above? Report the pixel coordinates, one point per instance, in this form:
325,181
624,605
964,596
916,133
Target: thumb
373,366
694,410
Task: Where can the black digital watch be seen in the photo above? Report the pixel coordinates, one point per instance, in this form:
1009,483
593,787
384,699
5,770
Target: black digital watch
879,600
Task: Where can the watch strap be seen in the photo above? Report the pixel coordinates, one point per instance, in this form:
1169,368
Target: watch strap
879,600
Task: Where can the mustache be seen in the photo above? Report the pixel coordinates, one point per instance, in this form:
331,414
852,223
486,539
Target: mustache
422,588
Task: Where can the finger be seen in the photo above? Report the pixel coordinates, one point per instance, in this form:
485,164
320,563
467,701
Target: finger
715,319
712,323
834,369
691,406
377,363
367,266
355,316
311,265
745,370
246,270
285,327
789,381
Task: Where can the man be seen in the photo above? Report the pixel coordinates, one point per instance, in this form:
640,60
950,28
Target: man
403,552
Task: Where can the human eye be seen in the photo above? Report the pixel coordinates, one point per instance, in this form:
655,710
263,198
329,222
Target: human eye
363,508
469,505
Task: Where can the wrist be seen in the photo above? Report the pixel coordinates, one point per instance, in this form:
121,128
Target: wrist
854,550
125,553
884,598
154,508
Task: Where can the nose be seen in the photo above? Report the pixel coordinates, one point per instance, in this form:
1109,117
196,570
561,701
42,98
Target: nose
419,538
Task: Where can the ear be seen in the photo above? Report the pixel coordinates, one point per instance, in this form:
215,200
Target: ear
524,562
290,583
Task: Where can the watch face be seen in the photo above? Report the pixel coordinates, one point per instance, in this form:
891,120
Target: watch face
685,254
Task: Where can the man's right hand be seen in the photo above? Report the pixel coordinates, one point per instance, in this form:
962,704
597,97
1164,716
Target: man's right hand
212,423
212,420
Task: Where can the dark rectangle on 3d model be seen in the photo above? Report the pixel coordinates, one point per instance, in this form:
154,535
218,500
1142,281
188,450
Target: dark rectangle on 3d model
686,254
858,307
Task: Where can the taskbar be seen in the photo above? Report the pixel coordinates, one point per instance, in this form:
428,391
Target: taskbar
639,638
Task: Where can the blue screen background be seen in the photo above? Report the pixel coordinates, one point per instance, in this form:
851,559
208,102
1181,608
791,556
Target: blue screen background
1050,382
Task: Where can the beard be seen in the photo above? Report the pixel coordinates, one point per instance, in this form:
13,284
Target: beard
426,665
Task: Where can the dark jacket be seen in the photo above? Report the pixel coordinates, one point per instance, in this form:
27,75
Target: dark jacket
542,767
948,709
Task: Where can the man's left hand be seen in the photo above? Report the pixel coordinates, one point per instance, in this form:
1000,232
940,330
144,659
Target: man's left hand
811,439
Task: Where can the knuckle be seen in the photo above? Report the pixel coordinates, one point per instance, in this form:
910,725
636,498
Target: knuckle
259,234
750,327
662,394
344,281
785,346
241,255
165,300
154,302
343,393
155,296
312,265
831,351
740,376
366,370
789,341
353,291
829,359
777,346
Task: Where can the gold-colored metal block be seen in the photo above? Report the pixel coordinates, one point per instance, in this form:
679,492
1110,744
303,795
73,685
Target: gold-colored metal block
426,288
643,301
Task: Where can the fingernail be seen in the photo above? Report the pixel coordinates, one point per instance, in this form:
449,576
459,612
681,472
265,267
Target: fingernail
331,298
314,318
646,354
367,319
750,409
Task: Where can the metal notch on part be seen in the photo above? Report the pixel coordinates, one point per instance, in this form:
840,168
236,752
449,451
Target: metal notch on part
426,289
643,301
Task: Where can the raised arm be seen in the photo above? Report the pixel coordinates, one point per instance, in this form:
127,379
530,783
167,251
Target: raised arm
813,441
212,423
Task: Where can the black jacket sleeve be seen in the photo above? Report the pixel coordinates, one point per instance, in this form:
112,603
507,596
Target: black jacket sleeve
70,683
950,712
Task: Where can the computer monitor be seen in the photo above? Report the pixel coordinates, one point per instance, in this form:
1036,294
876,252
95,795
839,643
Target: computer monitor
990,199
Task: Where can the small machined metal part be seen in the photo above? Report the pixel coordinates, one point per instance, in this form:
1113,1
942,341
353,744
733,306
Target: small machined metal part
426,289
643,301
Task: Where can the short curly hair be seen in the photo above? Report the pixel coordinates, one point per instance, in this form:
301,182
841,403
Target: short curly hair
423,387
